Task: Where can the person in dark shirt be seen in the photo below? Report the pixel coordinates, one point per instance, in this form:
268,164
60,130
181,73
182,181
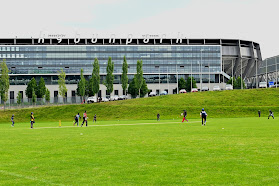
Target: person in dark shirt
32,120
77,119
184,116
95,118
158,117
203,115
270,114
12,120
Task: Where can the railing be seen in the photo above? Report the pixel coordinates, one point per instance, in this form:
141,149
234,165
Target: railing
28,102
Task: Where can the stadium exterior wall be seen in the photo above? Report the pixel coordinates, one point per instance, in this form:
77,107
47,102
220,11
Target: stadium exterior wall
219,59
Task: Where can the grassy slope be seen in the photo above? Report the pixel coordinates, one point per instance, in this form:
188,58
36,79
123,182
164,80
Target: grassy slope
245,152
236,103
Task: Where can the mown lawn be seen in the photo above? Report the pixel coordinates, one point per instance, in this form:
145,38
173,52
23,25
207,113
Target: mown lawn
218,104
236,151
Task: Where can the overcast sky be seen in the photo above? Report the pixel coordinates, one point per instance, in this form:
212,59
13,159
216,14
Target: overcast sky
254,20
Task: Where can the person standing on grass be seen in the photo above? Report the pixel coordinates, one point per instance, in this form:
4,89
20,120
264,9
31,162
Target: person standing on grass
84,118
77,119
203,115
259,112
270,114
32,120
158,117
95,118
184,116
12,120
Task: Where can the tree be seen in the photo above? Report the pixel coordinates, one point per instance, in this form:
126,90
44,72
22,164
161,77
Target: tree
109,76
144,90
19,98
47,96
232,81
62,85
132,89
124,77
181,84
139,76
30,86
89,87
81,85
96,77
4,82
238,83
41,88
188,83
34,97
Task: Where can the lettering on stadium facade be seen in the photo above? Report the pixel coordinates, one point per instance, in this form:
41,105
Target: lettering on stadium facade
94,39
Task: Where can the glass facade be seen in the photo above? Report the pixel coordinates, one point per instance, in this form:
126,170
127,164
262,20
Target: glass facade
269,65
166,60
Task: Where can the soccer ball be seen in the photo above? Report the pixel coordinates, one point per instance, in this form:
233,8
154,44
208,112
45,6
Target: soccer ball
181,114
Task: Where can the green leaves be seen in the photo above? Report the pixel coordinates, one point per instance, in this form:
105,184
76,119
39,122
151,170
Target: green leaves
61,82
32,85
109,76
4,81
96,77
124,77
41,88
81,85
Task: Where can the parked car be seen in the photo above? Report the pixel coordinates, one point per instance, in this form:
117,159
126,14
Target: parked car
229,87
92,100
122,97
104,99
164,93
216,88
205,89
194,90
151,94
182,91
262,85
113,98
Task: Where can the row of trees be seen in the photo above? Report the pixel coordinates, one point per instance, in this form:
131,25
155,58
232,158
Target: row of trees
34,91
91,87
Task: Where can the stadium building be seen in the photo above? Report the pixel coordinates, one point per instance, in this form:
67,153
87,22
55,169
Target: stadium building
210,61
267,72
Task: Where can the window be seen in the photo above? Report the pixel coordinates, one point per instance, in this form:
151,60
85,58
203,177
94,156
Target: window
116,92
12,95
73,93
55,93
21,94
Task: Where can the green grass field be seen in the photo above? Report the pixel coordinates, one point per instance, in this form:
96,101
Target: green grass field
218,104
238,151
